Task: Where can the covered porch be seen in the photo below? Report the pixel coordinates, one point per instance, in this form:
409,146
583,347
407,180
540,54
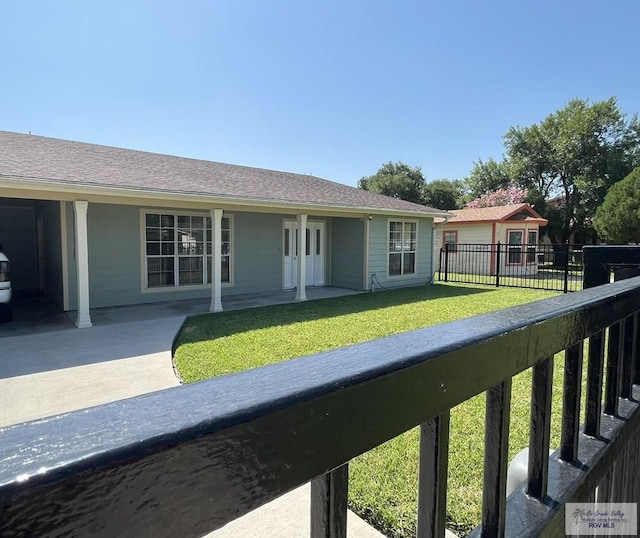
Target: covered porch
38,314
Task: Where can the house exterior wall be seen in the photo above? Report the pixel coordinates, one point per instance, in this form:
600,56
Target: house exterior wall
480,260
257,261
18,237
72,275
347,253
116,256
481,233
466,259
378,262
117,245
524,266
53,274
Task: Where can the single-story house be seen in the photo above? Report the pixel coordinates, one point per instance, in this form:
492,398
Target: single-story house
471,231
94,226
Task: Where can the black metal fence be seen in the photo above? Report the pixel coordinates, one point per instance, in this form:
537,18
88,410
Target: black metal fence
187,460
547,267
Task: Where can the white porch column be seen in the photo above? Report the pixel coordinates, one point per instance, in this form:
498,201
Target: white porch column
301,293
216,262
82,263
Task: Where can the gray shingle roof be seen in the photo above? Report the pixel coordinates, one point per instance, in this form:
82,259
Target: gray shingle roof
36,158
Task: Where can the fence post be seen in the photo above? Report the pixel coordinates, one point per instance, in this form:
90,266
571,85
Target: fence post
566,267
446,262
498,264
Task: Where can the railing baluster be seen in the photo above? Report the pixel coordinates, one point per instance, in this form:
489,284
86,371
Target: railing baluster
498,261
432,485
542,386
619,476
329,504
628,358
636,360
595,371
604,488
634,470
496,449
571,403
614,367
446,262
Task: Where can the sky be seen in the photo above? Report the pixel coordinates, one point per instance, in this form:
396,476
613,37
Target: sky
333,88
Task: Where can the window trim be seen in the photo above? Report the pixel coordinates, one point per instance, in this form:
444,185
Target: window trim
415,263
444,242
144,285
521,250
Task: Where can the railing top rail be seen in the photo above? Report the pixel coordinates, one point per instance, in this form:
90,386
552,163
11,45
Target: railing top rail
189,459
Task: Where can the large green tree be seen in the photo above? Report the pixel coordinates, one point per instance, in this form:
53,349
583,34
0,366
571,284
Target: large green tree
573,157
489,176
444,193
618,218
398,180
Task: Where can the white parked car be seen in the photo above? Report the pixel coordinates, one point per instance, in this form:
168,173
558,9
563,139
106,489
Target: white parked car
6,308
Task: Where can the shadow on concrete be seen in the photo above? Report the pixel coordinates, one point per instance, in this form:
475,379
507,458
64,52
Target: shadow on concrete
35,313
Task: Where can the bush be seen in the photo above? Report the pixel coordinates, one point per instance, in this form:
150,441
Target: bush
618,218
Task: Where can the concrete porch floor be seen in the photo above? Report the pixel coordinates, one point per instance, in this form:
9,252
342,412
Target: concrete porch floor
37,314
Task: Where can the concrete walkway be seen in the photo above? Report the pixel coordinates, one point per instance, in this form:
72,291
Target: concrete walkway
48,367
50,373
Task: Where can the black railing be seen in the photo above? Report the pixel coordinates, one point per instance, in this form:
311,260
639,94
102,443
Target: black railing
187,460
547,267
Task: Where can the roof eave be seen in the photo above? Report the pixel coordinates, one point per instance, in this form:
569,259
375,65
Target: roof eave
85,189
500,221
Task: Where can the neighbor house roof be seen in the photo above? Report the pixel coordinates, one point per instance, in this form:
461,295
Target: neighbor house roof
53,163
522,212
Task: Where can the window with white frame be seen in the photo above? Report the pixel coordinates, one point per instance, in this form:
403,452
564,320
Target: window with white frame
514,246
178,249
402,247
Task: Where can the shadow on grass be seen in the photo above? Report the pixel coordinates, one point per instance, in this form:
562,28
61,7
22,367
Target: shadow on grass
210,326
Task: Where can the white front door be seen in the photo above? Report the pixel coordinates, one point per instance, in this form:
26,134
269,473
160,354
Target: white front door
290,254
314,254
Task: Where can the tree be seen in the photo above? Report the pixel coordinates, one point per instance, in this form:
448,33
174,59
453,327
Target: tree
444,194
618,218
508,196
488,177
398,180
574,156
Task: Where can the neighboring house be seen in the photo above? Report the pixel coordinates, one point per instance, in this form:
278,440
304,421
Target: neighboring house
93,226
516,226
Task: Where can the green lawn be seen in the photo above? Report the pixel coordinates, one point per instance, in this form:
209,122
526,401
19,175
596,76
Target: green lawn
383,482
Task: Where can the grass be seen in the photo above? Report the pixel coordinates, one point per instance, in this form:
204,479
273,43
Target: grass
382,482
550,280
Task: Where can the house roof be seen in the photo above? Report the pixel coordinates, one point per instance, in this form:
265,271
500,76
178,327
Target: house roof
495,214
53,163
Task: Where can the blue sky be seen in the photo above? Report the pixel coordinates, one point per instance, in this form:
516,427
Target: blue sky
331,88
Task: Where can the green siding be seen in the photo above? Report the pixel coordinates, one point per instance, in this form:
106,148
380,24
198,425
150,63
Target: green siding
18,237
378,245
50,214
347,253
72,281
115,257
257,258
